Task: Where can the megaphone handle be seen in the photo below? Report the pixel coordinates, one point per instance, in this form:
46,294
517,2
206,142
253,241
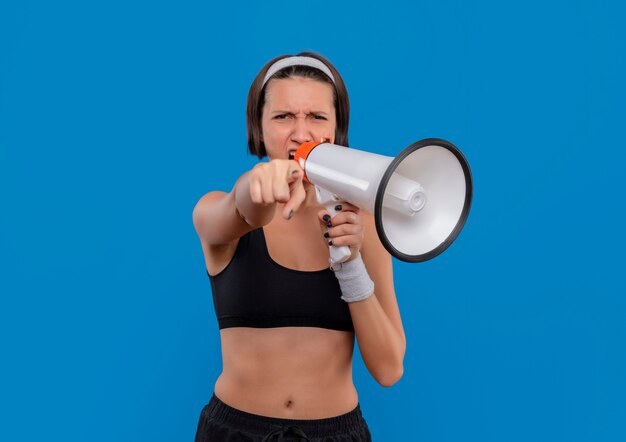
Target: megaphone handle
329,201
339,254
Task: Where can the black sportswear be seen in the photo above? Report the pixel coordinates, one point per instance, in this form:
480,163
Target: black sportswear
255,291
221,422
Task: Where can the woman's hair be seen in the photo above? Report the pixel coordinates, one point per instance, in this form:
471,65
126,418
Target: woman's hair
256,99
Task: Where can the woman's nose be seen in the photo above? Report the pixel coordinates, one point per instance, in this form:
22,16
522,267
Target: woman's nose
301,131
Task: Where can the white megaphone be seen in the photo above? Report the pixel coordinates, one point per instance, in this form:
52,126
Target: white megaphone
420,199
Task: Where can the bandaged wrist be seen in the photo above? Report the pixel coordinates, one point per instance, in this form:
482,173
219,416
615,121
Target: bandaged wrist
354,281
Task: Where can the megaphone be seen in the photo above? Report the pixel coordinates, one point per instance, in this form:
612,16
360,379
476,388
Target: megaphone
420,199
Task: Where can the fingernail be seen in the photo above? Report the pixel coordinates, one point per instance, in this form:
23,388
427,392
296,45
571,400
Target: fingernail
326,235
326,218
329,224
330,242
290,214
338,208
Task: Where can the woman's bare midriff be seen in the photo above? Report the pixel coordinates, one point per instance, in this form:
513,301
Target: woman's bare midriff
287,372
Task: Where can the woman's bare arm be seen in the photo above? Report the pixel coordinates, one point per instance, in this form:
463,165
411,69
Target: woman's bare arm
376,319
220,218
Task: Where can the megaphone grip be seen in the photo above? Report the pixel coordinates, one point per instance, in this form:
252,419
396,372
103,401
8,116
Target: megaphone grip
338,254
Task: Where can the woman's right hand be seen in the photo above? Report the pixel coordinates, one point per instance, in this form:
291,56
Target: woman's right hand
278,181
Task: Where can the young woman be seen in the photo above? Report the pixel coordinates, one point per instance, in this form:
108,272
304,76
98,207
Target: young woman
287,321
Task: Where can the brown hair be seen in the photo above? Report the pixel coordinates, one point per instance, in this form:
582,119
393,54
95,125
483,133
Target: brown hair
256,99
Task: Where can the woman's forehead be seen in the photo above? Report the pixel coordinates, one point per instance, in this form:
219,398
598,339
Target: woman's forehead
299,92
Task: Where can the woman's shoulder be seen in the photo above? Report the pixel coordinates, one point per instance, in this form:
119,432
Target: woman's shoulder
370,240
207,200
373,252
216,219
219,229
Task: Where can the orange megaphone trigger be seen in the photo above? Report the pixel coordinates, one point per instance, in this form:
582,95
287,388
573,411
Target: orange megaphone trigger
303,153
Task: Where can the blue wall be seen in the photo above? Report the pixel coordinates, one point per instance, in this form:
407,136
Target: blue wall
116,117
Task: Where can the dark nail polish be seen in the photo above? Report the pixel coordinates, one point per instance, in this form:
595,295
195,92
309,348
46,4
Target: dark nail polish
330,242
290,214
326,218
326,235
329,224
338,208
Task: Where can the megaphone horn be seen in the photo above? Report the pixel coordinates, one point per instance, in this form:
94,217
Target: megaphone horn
420,199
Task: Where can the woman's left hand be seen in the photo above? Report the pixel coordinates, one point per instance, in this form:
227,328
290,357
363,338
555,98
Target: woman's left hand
344,229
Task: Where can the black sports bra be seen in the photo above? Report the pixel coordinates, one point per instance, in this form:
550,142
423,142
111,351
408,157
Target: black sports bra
255,291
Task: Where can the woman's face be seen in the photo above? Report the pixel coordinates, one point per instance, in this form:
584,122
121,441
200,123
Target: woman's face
296,110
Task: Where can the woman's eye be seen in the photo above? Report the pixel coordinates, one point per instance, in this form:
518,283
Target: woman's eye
319,117
281,116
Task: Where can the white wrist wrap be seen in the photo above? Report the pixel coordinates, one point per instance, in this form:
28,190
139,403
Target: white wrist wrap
354,281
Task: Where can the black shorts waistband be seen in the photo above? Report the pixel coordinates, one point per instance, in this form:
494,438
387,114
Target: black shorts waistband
316,428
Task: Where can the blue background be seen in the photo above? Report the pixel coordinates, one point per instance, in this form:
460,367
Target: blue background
116,117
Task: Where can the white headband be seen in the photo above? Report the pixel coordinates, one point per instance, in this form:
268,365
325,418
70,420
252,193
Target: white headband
297,61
